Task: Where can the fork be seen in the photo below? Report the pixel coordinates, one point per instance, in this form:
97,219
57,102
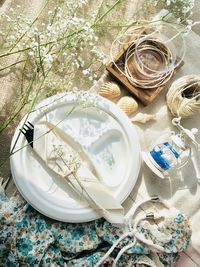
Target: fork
27,130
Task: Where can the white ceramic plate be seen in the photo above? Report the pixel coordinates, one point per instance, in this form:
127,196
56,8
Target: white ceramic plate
106,135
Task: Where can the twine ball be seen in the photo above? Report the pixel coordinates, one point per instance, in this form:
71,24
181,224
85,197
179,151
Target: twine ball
183,97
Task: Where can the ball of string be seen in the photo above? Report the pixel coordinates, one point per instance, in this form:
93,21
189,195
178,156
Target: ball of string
183,97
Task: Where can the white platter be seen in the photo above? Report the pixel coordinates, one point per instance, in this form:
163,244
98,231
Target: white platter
105,134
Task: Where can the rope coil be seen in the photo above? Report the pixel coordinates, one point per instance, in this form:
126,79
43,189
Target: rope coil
151,52
183,97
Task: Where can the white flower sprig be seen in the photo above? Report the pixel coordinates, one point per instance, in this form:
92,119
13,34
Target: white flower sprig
180,9
85,99
65,42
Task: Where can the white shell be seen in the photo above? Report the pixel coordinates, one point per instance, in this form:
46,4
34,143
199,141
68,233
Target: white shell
127,104
143,117
110,90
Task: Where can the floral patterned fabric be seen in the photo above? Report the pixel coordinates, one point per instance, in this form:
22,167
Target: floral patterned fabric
28,238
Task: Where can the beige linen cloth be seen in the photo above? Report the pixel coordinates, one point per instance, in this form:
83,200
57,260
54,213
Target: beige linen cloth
183,192
67,159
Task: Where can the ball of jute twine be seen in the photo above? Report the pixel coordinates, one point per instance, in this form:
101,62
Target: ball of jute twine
183,97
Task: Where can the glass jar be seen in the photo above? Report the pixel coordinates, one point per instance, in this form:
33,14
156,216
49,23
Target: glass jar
167,155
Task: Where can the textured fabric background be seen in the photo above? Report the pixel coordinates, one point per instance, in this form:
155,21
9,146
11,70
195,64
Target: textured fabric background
184,191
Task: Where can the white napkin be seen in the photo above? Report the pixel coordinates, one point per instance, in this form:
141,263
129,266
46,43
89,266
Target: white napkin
67,159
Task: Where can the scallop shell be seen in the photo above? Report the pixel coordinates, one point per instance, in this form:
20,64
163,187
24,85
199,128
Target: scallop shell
110,90
143,117
127,104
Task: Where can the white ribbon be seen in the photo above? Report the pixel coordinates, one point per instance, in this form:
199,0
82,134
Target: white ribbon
66,158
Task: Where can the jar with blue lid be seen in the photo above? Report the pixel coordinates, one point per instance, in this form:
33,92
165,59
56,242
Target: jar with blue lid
167,155
172,153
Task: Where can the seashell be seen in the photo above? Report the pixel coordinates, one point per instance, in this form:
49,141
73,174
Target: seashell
143,117
110,90
127,104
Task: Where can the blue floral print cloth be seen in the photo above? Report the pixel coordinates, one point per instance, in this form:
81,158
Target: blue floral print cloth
28,238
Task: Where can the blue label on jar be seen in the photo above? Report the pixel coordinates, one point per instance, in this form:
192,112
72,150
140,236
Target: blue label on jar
176,154
164,155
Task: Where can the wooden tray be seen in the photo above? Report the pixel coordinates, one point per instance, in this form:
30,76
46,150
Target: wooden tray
146,96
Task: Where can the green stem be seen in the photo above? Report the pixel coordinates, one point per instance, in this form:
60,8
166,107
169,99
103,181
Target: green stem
108,11
13,64
32,23
40,58
15,52
33,103
54,15
30,110
12,152
46,74
23,75
17,109
43,44
64,37
98,13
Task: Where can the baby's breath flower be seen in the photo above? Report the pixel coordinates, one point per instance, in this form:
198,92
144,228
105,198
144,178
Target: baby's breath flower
85,72
31,53
180,9
64,43
48,58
